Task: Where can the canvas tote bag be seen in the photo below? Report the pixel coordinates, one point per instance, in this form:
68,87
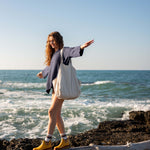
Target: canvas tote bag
66,85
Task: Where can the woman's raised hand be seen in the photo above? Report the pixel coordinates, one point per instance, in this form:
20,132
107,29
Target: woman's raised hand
86,44
40,75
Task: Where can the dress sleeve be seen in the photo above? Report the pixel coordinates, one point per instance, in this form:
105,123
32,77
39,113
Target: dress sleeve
45,72
70,52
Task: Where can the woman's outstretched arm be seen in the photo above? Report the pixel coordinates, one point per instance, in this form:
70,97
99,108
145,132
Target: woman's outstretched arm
70,52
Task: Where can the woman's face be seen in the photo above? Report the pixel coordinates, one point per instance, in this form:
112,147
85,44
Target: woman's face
53,43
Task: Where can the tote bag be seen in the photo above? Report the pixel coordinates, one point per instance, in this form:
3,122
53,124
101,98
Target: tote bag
66,85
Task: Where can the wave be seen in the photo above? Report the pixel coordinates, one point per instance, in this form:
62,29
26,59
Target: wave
98,82
79,115
23,85
31,85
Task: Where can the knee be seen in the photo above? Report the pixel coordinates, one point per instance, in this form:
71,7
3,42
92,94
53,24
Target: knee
51,112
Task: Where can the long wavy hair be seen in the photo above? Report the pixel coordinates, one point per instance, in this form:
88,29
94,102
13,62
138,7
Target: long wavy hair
49,51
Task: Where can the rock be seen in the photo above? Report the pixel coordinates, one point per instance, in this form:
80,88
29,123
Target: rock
147,117
2,145
140,116
137,116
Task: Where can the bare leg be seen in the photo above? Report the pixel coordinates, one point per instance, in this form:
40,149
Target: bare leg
53,112
60,123
59,120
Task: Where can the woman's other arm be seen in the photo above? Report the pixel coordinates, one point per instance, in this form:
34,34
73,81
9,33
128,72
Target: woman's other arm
43,73
40,75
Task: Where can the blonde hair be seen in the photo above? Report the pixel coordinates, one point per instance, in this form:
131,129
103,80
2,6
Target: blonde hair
49,51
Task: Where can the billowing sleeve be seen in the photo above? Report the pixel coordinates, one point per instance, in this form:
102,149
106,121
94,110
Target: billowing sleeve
70,52
45,72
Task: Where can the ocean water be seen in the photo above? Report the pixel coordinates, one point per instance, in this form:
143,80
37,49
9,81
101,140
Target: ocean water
106,95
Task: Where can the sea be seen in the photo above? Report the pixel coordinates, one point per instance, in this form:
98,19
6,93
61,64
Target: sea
105,95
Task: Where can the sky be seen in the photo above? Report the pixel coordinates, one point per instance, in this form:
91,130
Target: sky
120,29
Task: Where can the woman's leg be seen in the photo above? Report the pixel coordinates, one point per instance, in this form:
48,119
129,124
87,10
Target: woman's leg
53,112
60,123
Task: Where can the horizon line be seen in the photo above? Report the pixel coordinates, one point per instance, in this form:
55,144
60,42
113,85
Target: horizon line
91,69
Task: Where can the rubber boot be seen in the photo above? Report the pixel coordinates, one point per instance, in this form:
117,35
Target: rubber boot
64,144
44,146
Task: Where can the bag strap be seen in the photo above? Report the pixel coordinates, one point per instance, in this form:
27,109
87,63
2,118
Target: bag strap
61,55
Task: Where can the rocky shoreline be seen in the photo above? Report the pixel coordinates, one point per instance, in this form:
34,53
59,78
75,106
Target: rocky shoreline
134,130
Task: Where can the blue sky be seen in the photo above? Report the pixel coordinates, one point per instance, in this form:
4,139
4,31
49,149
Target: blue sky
120,28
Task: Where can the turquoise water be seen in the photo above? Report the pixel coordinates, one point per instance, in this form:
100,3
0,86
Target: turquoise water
106,95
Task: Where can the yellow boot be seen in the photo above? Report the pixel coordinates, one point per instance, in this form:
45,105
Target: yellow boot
64,144
44,146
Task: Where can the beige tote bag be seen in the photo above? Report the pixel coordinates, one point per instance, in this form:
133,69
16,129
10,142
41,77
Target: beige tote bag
66,85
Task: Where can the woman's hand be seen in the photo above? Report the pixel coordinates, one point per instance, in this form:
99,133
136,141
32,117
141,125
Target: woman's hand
40,75
86,44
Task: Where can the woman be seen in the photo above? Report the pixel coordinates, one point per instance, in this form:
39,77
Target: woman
53,47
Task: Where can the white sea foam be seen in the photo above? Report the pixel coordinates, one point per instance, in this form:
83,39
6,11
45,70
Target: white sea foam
99,82
102,110
136,106
23,96
75,121
23,85
29,108
2,91
7,130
